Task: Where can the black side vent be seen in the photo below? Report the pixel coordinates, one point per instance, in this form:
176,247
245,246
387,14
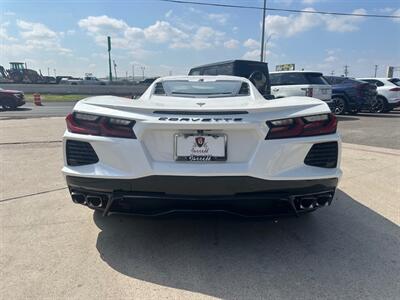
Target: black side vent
323,155
80,153
244,89
159,89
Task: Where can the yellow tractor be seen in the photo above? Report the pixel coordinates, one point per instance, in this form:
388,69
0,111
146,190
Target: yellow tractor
19,73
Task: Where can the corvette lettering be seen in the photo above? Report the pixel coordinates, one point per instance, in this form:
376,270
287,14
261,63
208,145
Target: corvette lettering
200,119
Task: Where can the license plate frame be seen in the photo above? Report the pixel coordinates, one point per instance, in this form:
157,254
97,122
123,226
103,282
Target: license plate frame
201,158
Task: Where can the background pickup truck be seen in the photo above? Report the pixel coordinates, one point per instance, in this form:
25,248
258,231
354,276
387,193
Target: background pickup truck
89,79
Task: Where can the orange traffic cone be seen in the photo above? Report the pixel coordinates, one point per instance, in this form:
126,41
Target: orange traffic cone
37,99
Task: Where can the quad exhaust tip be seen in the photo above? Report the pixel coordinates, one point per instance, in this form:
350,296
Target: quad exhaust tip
94,201
314,201
78,198
307,202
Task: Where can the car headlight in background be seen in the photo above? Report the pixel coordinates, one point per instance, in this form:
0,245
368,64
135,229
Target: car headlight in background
83,123
302,126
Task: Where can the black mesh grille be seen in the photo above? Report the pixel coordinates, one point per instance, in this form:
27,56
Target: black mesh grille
80,153
324,155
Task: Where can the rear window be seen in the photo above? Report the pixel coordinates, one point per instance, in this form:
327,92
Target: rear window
353,81
395,81
194,72
210,71
374,81
297,78
200,88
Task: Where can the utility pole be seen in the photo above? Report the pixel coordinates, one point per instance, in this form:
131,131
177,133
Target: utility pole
109,57
263,32
376,70
142,71
126,75
55,73
48,71
133,72
115,69
346,71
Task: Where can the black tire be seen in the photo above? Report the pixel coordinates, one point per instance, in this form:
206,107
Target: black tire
9,105
379,105
339,106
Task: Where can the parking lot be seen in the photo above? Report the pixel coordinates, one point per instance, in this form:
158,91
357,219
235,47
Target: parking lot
378,130
52,248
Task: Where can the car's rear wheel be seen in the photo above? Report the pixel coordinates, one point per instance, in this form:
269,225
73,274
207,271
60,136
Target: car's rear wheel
339,105
9,105
379,105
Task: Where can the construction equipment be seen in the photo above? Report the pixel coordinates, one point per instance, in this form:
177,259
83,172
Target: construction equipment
19,73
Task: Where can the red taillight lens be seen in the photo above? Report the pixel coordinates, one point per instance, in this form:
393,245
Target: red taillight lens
101,126
396,89
301,127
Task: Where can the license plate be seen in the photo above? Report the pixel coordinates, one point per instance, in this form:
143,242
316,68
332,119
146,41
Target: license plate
192,147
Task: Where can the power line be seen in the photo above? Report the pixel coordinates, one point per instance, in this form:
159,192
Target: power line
281,9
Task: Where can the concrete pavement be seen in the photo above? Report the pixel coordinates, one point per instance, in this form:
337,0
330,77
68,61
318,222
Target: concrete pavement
51,248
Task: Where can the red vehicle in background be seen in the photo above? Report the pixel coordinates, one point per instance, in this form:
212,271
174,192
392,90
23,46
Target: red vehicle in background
11,99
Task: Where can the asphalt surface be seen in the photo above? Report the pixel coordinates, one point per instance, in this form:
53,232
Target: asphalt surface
29,110
53,249
379,130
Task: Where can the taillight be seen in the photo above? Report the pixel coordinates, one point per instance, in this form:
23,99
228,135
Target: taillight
102,126
302,126
396,89
308,92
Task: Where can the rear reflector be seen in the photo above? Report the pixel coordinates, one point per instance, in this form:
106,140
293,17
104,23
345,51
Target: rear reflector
302,126
396,89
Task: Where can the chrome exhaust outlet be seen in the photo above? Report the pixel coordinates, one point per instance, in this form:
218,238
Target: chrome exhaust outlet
307,203
78,198
323,200
94,201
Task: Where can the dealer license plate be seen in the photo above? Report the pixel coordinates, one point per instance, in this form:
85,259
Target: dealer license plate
192,147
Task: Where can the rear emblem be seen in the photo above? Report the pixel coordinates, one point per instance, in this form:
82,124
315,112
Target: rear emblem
200,104
200,141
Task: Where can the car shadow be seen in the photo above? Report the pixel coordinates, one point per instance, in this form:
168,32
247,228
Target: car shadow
379,115
343,251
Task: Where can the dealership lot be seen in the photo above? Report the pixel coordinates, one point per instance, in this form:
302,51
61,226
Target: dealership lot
378,130
52,248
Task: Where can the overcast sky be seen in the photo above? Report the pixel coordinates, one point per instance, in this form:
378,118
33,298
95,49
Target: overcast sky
70,36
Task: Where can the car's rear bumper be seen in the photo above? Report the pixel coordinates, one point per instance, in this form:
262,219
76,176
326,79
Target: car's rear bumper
243,195
393,103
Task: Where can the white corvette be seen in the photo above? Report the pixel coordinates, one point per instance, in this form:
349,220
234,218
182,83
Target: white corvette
202,143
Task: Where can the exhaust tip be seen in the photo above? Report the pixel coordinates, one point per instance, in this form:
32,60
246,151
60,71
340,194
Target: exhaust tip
94,201
78,198
323,200
307,202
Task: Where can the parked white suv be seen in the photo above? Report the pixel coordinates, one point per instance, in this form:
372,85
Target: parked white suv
388,93
300,83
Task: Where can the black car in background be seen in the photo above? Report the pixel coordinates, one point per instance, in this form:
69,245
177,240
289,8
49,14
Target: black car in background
351,95
256,71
